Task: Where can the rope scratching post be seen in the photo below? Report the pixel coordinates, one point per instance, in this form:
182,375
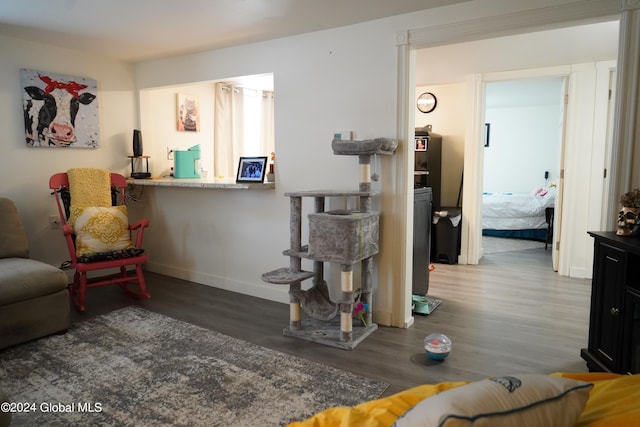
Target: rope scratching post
344,237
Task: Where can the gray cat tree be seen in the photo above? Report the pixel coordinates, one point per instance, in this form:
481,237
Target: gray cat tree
344,237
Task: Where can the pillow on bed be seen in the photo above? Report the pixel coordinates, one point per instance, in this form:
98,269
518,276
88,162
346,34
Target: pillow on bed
100,229
536,191
523,400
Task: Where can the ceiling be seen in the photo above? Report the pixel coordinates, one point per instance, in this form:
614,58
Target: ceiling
134,30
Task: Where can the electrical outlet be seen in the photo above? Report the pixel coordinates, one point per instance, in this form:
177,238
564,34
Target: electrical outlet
170,150
54,221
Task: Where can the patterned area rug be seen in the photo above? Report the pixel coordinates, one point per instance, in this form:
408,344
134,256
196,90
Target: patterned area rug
133,367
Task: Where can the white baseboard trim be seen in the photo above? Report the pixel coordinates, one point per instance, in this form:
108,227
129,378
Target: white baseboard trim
577,273
382,317
269,292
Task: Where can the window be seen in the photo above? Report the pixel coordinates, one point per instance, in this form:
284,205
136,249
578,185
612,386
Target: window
243,125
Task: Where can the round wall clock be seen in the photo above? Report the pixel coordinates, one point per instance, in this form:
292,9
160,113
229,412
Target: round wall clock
427,102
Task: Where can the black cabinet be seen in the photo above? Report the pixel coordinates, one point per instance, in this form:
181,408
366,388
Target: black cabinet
614,330
632,320
606,302
422,199
428,163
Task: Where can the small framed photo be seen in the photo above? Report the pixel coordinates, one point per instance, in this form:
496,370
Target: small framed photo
422,143
251,169
188,113
487,131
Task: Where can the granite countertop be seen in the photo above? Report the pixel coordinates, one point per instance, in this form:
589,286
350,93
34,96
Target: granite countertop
213,183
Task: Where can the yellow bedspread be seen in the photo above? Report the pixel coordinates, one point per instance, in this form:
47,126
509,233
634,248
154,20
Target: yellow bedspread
613,401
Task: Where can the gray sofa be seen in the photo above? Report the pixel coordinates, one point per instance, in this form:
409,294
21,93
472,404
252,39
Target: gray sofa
34,300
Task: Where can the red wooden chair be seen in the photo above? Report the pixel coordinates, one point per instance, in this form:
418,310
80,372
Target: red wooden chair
120,259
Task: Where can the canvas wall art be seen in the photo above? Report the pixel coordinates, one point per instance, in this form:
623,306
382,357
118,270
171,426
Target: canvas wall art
59,110
188,113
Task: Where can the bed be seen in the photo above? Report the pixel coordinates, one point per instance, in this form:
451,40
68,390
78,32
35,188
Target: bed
518,215
559,400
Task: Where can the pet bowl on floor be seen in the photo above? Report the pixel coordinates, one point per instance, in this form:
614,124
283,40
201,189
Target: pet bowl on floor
437,346
424,304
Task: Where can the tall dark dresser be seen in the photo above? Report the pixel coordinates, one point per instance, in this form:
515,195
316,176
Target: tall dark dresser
614,323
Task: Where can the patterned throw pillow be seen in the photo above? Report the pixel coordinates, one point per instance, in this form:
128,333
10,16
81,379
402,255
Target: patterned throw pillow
521,400
100,229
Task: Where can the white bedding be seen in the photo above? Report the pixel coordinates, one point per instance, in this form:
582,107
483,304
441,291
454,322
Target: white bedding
516,211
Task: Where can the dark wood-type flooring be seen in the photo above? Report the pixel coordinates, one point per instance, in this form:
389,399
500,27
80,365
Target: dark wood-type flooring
510,314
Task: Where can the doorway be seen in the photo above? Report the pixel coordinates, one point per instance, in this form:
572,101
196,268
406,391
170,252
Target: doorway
586,163
424,58
524,128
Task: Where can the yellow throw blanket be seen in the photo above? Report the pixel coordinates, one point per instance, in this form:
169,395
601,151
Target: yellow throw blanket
90,187
613,402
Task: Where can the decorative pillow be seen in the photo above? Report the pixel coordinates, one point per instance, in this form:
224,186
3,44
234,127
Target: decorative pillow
523,400
100,229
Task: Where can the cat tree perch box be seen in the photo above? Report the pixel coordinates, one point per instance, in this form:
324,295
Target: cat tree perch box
343,236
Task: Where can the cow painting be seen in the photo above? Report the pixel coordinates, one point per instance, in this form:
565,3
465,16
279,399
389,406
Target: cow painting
59,111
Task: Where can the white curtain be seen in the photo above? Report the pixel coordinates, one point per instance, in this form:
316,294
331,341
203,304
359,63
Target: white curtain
228,130
267,131
229,122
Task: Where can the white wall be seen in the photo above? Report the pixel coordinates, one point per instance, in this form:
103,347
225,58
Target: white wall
501,172
24,171
447,120
342,79
585,162
525,118
158,119
517,156
571,45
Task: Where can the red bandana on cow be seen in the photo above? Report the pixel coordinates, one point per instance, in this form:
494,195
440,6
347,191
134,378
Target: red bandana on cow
71,87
